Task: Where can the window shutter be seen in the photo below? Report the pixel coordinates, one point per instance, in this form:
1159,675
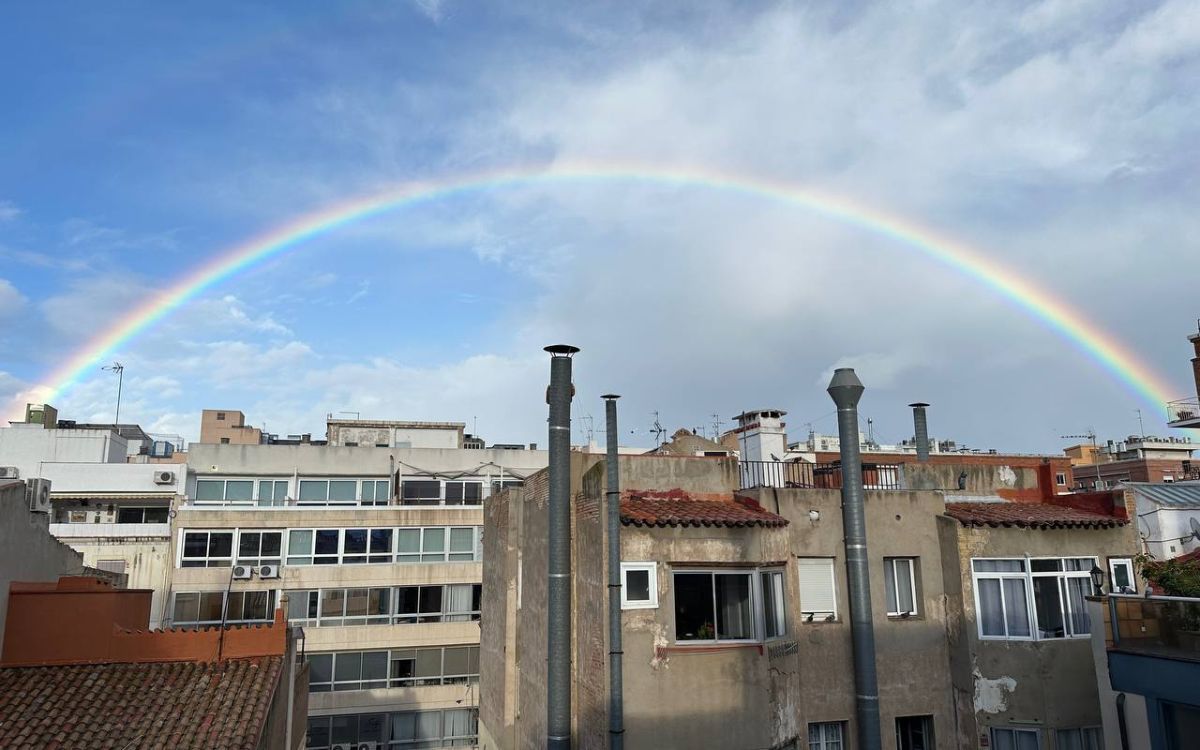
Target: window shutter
816,587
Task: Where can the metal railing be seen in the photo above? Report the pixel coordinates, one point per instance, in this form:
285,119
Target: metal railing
801,474
1163,625
1184,409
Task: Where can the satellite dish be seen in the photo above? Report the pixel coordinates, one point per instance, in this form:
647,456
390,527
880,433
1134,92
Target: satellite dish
1195,528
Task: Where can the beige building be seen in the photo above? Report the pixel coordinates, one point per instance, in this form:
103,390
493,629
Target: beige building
375,551
228,427
735,613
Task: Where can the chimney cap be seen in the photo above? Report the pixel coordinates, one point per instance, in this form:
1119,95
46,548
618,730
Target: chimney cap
918,404
844,387
561,350
610,397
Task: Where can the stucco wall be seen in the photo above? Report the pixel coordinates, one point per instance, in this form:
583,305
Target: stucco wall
27,551
1047,684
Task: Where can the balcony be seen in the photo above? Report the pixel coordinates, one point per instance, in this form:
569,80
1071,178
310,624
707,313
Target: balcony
1154,649
1184,413
110,530
828,476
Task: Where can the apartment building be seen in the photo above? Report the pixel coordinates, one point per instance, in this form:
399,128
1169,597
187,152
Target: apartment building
113,512
735,609
374,549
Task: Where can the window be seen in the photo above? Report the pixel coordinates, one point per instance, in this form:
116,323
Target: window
395,731
825,735
450,603
111,566
421,491
220,416
206,549
153,514
272,492
900,586
376,491
452,665
224,491
914,733
1084,738
205,607
504,484
639,585
818,595
383,545
774,619
351,443
1121,580
714,606
339,607
259,547
1016,739
1041,600
430,544
464,493
1060,479
352,670
224,441
328,491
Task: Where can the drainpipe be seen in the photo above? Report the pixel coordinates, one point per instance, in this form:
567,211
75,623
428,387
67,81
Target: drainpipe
616,699
558,611
921,427
846,389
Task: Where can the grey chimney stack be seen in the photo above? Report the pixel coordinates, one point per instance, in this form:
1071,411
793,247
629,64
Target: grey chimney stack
558,609
921,428
846,389
616,699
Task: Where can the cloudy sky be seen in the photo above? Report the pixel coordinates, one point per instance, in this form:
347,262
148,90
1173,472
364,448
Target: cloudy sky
1059,138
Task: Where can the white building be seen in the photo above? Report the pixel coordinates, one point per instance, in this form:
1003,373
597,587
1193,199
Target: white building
116,514
376,551
1168,515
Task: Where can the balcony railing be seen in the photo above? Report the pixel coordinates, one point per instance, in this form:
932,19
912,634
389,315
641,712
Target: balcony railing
815,475
1185,410
1160,626
110,530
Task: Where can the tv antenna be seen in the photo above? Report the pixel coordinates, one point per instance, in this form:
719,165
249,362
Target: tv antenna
590,429
658,430
1090,435
716,425
119,369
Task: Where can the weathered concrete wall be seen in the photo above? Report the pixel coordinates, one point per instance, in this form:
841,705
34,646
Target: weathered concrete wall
1049,684
1021,482
148,564
27,551
497,643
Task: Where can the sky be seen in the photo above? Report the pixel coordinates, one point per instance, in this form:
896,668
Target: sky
1060,138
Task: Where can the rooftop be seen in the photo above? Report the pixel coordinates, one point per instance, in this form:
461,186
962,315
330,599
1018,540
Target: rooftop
214,706
680,509
1183,495
1029,515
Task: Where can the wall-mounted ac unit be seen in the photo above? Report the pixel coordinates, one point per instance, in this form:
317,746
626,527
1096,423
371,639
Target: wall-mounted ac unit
9,472
242,572
164,477
37,492
268,571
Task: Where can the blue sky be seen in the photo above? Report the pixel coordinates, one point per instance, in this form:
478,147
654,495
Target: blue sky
142,139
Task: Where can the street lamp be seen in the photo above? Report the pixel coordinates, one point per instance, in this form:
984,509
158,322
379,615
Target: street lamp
1097,579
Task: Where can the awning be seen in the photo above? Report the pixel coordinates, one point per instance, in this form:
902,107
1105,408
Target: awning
165,496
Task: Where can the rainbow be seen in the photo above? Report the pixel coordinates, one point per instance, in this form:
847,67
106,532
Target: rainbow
1100,346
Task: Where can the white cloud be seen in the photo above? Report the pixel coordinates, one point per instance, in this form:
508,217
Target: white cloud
11,300
8,211
434,10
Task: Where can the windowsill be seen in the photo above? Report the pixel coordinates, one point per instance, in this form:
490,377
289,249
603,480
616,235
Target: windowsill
905,618
704,647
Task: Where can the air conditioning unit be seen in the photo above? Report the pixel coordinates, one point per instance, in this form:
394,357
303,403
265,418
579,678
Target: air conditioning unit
242,572
268,571
9,472
164,477
37,492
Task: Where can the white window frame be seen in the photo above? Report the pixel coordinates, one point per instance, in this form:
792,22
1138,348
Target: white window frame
1096,731
259,559
360,483
1037,733
825,742
1120,562
1027,575
832,562
273,599
225,480
889,571
652,571
780,606
393,555
228,561
442,500
1060,478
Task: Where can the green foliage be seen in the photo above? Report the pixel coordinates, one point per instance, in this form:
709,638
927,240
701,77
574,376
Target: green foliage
1174,577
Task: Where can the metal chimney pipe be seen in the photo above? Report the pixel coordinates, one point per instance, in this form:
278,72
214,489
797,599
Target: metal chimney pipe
846,389
616,699
921,428
558,610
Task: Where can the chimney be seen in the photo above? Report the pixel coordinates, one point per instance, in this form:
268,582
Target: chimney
846,389
558,609
616,698
1195,339
921,427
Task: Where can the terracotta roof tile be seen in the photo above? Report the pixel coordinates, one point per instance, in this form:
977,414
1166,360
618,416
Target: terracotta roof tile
680,510
185,705
1029,515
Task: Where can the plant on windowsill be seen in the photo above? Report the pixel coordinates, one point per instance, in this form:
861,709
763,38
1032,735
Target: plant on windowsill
706,632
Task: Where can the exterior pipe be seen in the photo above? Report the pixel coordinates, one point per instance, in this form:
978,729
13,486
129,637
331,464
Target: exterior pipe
921,429
846,389
558,610
616,699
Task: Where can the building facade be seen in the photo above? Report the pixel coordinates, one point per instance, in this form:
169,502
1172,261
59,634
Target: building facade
375,551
